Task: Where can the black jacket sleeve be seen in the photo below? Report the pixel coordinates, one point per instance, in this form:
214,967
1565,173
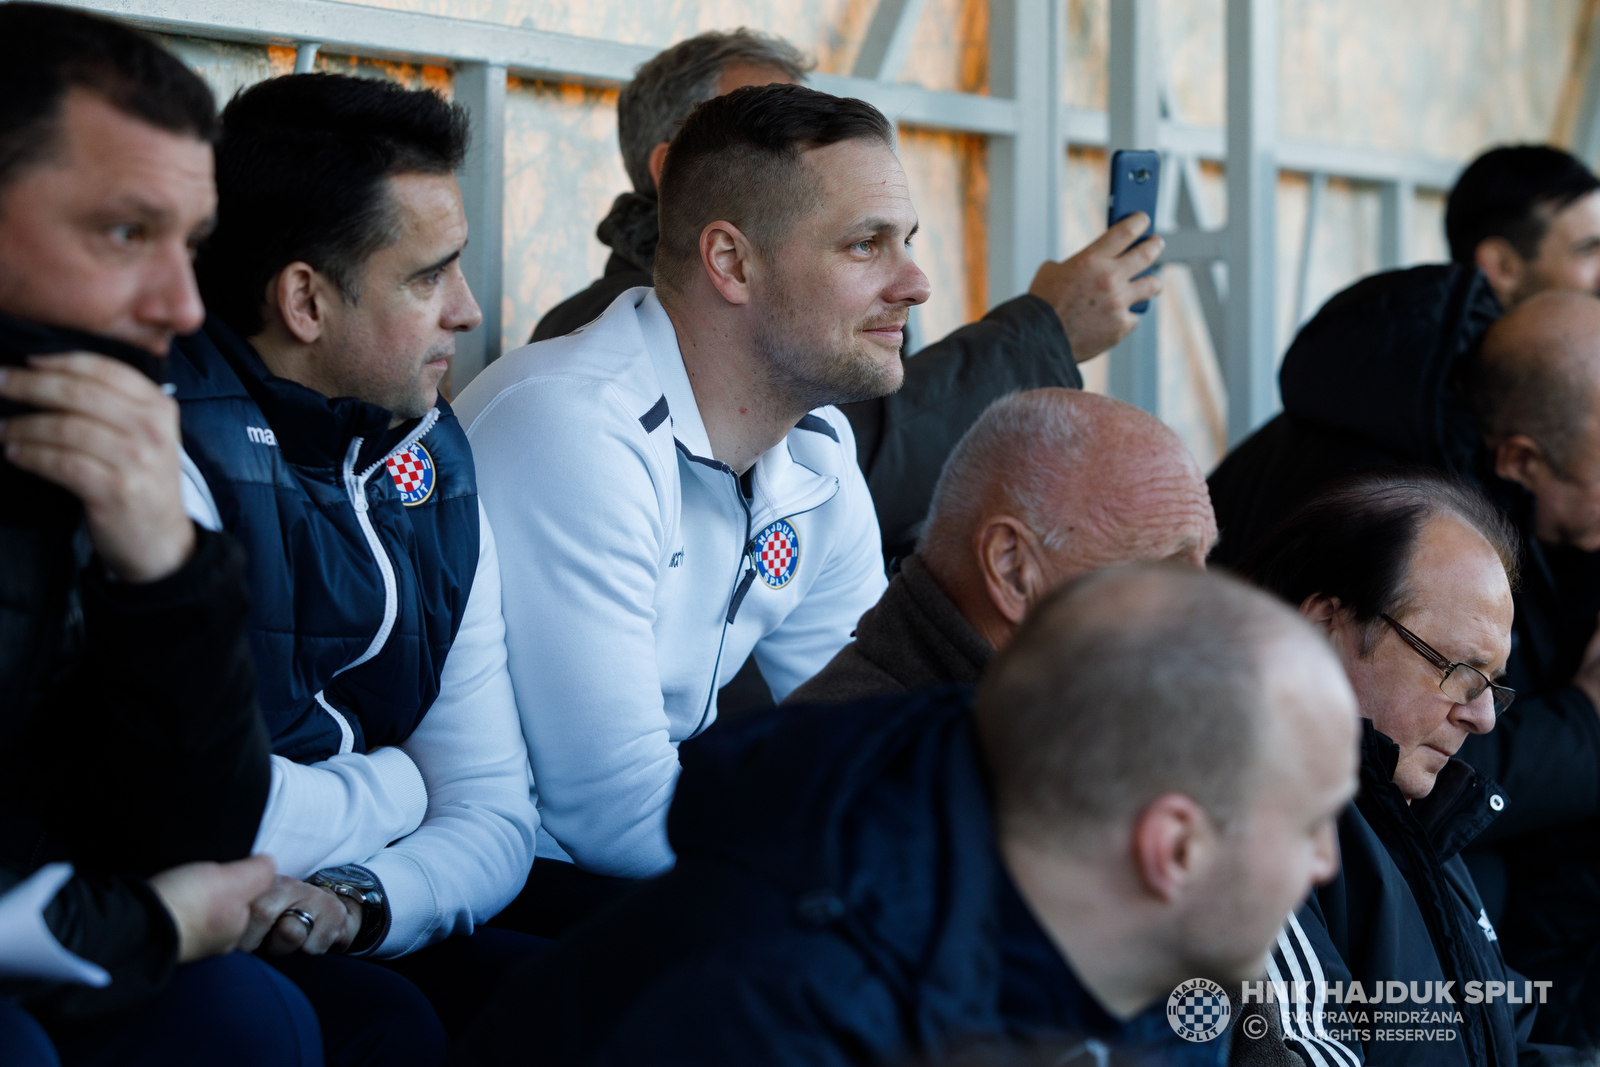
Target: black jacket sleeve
169,760
115,921
1543,751
903,439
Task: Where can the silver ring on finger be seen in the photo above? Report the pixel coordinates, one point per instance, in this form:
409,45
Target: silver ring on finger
304,916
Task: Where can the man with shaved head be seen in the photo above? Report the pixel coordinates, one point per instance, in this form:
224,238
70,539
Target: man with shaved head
1047,485
1145,786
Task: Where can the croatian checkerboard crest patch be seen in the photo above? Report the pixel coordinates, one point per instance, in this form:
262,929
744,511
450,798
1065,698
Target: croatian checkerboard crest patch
1198,1010
777,554
412,471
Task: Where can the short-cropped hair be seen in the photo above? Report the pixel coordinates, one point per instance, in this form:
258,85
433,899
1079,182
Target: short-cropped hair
55,50
301,170
667,87
1123,685
1511,192
739,158
1355,538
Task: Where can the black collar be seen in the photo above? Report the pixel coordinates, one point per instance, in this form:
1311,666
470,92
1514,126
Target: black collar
312,430
1458,809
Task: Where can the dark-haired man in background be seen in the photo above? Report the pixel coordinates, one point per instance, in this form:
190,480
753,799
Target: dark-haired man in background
1427,367
400,810
1073,310
1528,217
671,486
1146,787
131,747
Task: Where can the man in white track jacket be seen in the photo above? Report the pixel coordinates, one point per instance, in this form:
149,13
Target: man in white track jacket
669,487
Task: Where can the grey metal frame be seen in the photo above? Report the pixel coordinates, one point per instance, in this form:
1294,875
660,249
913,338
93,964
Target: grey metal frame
1024,118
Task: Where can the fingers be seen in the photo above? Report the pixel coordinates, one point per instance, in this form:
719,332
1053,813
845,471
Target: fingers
1144,288
101,370
329,929
265,911
252,876
1117,238
1143,254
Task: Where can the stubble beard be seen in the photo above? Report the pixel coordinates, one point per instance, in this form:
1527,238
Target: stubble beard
805,374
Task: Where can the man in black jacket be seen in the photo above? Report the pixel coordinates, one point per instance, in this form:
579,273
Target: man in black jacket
133,764
1147,785
1403,368
1073,310
1409,575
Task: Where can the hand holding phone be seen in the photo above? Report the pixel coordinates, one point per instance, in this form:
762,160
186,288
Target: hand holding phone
1135,186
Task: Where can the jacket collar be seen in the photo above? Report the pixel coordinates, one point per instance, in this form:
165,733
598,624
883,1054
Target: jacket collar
23,337
918,635
312,430
783,485
1462,803
631,230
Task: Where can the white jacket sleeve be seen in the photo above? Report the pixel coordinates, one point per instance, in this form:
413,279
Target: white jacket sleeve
340,810
851,581
471,855
566,472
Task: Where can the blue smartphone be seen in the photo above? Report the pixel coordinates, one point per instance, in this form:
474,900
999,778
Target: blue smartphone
1135,182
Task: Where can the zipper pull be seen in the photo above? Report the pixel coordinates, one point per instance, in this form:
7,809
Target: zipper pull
739,593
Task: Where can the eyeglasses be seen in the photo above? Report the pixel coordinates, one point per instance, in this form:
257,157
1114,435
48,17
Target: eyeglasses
1462,683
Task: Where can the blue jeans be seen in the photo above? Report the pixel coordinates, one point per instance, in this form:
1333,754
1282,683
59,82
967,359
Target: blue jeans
403,1012
232,1010
23,1042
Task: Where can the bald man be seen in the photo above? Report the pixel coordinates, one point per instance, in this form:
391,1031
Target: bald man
1145,786
1046,485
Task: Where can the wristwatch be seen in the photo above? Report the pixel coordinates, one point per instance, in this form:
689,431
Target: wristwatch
361,885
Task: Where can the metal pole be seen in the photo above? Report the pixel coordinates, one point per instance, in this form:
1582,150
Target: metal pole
1134,113
1025,168
305,57
1396,201
482,88
1248,360
1317,185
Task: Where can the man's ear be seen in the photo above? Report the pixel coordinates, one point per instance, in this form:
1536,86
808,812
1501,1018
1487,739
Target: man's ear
728,258
657,160
1010,558
1174,844
1518,458
1502,264
297,297
1321,610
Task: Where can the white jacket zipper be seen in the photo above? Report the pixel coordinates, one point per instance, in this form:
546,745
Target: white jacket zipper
355,487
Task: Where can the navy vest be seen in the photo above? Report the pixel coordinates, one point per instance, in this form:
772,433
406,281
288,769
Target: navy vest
363,542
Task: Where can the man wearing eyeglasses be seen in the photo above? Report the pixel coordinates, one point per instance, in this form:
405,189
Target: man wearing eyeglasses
1409,575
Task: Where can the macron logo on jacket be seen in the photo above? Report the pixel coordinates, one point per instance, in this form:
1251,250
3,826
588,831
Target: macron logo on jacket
638,577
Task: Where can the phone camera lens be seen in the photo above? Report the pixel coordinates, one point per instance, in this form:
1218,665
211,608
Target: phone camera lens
1141,175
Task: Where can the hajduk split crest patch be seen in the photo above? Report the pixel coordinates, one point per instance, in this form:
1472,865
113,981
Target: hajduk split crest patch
777,551
413,474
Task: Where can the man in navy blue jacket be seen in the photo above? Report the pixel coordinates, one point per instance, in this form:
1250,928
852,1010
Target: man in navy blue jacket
1146,786
400,810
